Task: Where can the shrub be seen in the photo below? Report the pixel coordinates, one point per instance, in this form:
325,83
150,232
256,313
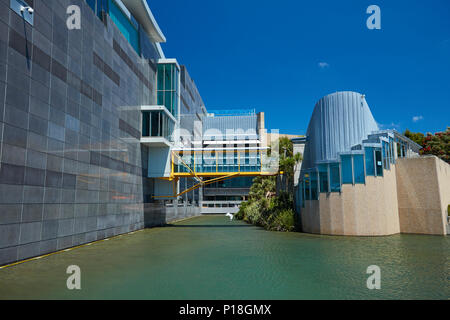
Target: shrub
285,220
273,213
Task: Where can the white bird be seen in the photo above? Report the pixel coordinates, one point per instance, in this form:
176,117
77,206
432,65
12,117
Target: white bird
229,215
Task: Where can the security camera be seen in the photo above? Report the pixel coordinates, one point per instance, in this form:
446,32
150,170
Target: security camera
29,9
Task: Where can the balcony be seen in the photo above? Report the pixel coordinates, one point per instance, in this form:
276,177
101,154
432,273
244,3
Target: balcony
157,126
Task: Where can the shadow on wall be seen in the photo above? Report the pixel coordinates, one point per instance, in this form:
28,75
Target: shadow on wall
154,213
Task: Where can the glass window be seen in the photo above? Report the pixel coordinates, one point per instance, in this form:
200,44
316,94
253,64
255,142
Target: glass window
335,177
378,162
370,162
307,191
102,5
323,177
168,76
392,145
347,175
385,152
125,26
167,85
154,124
160,78
314,185
358,168
145,124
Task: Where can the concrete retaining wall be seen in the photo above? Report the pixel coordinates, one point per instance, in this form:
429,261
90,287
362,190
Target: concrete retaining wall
423,187
360,210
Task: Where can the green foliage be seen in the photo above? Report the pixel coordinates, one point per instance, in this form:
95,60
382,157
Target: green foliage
437,144
267,210
264,208
417,137
285,220
288,162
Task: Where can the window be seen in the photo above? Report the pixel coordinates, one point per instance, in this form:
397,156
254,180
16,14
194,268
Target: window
358,168
335,177
157,124
314,185
378,162
392,142
323,177
167,86
386,154
129,28
370,161
307,190
347,173
145,124
102,5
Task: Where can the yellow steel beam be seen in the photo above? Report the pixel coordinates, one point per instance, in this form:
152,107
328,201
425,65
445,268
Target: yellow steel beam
198,185
221,174
184,163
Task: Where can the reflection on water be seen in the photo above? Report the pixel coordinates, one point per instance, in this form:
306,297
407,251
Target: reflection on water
211,257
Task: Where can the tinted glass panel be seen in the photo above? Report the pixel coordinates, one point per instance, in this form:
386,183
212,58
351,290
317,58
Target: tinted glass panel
323,177
314,186
335,179
161,68
346,161
358,167
154,121
145,124
307,193
370,162
379,162
124,25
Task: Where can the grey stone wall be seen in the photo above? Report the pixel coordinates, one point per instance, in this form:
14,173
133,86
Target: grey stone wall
71,166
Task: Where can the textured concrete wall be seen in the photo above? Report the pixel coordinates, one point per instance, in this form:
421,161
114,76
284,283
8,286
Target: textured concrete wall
71,162
423,186
159,214
360,210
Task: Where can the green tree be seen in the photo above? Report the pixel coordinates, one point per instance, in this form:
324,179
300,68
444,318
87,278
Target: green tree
437,144
266,208
417,137
288,162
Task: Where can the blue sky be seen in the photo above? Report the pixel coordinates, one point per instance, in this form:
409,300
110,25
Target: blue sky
282,56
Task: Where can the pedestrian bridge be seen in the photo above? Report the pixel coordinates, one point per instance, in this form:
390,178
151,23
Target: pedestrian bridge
218,165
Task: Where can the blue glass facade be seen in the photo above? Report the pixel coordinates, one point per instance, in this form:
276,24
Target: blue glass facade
219,162
351,169
129,28
127,25
358,168
347,174
323,177
370,161
167,87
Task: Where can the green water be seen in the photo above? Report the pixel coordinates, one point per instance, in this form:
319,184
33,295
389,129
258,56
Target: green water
211,257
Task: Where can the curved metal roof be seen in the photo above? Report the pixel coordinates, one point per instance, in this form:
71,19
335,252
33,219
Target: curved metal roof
339,121
142,13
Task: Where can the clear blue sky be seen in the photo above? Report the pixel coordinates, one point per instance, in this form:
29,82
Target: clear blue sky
266,55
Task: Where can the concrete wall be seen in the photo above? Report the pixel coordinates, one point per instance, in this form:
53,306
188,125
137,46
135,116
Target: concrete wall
158,214
360,210
423,187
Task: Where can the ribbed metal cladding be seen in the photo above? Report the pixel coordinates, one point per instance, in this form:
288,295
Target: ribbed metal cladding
244,124
339,121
